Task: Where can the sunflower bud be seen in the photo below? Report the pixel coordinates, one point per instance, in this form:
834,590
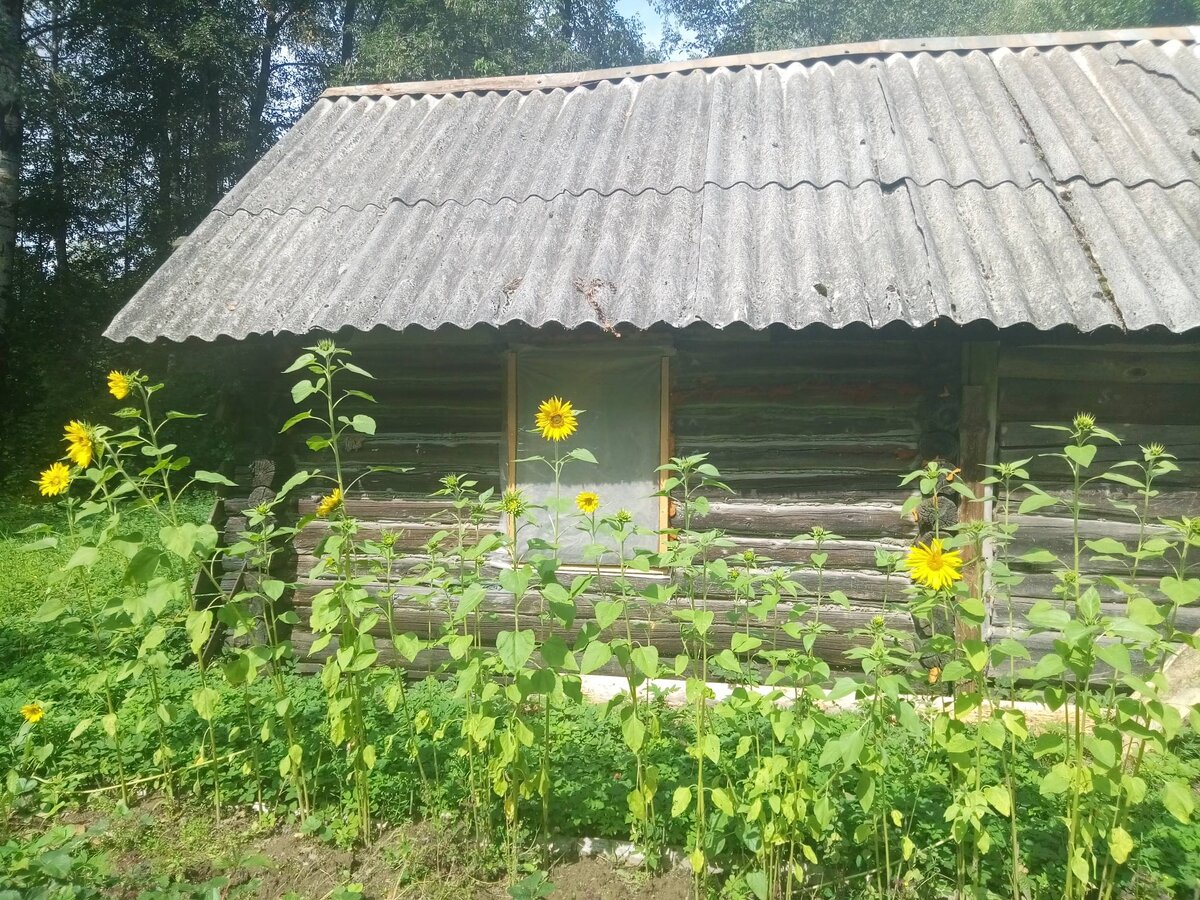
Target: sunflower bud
513,503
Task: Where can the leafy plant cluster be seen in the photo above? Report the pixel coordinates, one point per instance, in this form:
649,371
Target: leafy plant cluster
935,783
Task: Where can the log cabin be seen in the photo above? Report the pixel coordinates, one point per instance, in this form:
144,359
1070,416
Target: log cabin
821,267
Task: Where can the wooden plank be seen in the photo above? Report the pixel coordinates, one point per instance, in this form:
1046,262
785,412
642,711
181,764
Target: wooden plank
409,536
787,519
1039,400
880,361
437,661
665,443
807,464
977,450
388,507
770,552
1037,585
1020,438
429,623
865,589
1135,364
510,430
1188,618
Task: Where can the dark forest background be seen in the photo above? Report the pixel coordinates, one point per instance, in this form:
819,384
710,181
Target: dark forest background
122,122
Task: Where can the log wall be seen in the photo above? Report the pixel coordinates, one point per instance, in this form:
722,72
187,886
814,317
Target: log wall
817,430
807,431
1143,390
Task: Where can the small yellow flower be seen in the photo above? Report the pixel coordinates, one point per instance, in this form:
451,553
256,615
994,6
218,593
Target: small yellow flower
81,445
119,384
587,501
329,503
54,480
556,419
931,565
33,712
935,673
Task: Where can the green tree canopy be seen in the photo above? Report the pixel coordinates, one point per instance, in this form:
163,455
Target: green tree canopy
716,27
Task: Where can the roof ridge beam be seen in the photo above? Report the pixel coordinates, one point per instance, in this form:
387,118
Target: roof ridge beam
568,80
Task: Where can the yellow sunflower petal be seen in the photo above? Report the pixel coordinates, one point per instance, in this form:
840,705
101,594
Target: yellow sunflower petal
556,419
329,503
119,384
933,566
54,480
81,445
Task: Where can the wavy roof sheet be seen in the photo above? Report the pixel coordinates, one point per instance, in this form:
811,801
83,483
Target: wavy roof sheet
1051,180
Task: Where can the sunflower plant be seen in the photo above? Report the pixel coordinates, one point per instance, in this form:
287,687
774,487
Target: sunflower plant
111,472
454,578
345,611
696,559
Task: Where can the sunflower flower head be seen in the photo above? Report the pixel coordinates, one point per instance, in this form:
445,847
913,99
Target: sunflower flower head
119,383
623,517
933,566
1085,423
54,480
587,502
329,503
556,419
81,443
33,712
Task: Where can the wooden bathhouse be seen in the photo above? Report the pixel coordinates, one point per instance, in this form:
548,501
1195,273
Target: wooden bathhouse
822,267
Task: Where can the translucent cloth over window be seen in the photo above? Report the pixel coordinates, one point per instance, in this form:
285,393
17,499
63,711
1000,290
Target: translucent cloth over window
621,395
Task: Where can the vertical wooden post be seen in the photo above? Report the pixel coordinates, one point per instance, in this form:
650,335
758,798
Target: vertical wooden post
510,430
977,448
664,448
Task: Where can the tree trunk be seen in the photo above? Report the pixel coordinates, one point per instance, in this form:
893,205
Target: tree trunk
214,158
167,169
567,29
60,222
349,14
262,88
11,51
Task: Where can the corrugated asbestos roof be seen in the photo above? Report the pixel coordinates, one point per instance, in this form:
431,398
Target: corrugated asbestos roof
1056,184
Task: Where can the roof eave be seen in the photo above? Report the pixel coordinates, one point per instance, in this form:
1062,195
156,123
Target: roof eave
568,80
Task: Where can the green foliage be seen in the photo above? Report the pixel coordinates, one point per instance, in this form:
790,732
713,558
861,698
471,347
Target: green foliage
414,41
934,781
708,28
138,117
58,864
